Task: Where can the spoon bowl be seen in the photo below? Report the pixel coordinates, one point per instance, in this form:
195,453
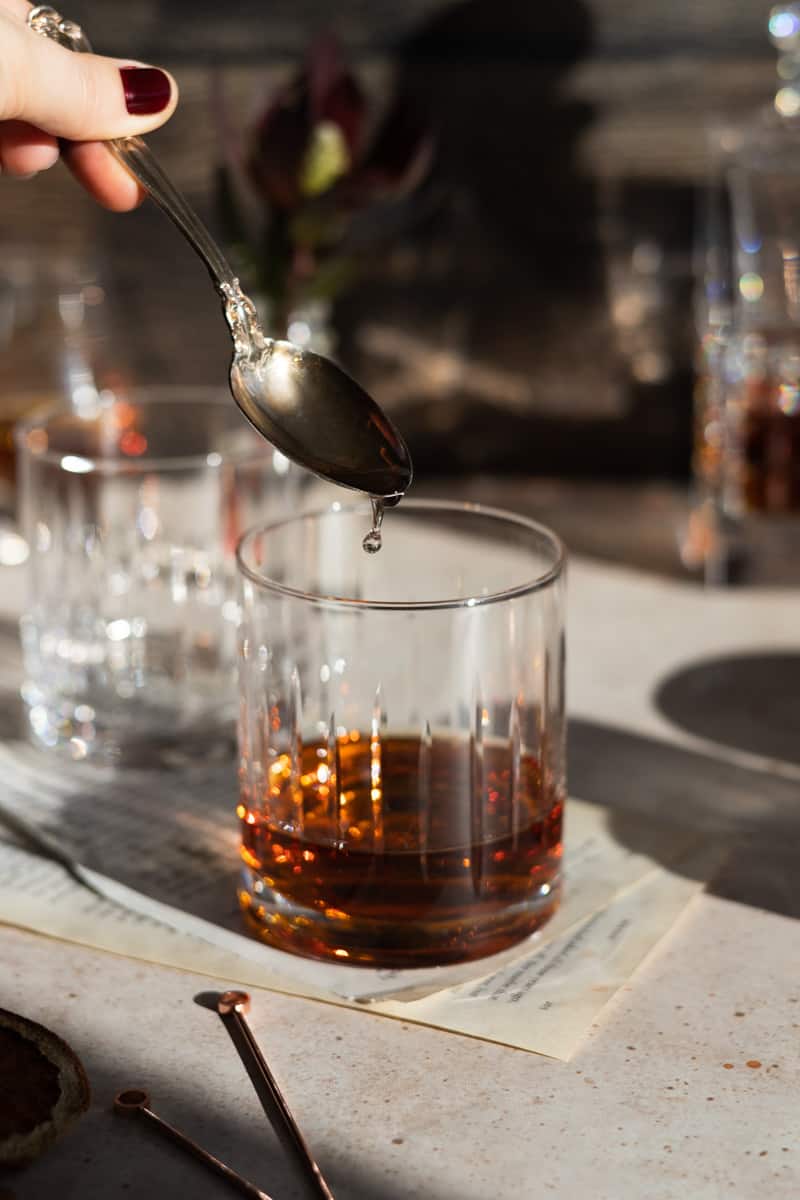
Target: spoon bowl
318,416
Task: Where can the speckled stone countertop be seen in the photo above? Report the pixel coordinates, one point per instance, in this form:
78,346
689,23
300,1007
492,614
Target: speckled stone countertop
687,1085
647,1108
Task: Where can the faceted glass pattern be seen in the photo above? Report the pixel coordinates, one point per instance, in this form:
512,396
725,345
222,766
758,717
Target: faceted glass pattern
401,732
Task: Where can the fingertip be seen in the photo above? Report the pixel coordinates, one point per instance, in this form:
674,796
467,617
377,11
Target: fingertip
94,166
38,158
24,151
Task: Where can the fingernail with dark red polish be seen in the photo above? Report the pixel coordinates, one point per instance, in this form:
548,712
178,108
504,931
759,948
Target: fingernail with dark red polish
147,90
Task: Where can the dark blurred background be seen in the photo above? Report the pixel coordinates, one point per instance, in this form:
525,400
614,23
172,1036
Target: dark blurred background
530,309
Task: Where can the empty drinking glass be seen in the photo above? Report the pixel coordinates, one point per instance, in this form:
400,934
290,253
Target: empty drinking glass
132,515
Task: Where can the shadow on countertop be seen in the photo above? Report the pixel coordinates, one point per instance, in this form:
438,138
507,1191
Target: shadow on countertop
652,785
750,702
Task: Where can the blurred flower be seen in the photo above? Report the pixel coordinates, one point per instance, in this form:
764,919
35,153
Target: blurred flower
313,138
318,157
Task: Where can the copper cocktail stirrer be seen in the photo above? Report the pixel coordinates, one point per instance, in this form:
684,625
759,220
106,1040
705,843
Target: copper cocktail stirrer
232,1007
136,1103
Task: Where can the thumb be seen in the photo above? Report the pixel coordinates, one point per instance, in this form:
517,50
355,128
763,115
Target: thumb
83,97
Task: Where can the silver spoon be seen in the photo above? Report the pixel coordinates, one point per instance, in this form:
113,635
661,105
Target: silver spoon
301,402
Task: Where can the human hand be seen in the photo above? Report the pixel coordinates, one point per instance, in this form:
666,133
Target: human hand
55,103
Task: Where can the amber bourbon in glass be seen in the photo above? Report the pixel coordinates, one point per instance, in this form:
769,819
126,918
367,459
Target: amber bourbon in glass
401,734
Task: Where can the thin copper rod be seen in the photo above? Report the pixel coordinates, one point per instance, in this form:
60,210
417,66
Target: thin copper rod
232,1007
136,1103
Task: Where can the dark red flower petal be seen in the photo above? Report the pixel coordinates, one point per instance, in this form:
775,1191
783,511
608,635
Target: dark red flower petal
399,157
280,144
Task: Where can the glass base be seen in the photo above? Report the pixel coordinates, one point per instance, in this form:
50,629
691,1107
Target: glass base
149,737
335,937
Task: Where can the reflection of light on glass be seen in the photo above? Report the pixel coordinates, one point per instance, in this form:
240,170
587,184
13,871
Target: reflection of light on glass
76,464
13,548
324,673
70,310
787,101
117,631
78,748
791,274
230,611
38,719
299,332
323,773
751,286
202,575
629,310
342,953
213,459
84,713
147,520
336,506
85,400
339,666
375,765
133,443
650,366
280,463
789,398
751,245
783,24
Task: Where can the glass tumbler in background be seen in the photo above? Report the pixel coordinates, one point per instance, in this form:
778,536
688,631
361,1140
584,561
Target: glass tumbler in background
401,733
55,349
132,517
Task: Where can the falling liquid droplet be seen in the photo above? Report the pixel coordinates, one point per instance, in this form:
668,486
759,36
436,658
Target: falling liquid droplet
373,540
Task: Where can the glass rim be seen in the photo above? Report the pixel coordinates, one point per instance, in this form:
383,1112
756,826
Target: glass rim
147,394
539,583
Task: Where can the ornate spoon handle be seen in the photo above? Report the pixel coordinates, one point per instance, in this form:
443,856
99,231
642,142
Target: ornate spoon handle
135,155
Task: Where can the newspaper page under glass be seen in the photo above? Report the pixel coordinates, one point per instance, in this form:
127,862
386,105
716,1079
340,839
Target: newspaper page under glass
148,870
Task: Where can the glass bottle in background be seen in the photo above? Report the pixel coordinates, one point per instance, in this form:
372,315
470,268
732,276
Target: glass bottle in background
708,542
747,450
